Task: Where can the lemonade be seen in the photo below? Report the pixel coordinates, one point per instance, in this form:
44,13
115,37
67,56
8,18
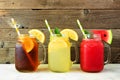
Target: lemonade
59,50
59,58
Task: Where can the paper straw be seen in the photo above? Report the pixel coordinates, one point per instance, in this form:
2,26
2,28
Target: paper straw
14,23
80,26
46,22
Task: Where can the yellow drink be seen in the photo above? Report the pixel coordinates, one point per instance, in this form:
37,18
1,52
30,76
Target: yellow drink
59,58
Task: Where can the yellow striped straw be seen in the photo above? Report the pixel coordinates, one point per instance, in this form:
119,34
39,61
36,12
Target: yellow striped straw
80,26
15,26
46,22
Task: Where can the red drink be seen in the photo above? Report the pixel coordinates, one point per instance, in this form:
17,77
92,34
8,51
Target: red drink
92,55
26,53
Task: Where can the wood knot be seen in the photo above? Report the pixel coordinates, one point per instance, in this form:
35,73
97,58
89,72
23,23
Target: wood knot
86,11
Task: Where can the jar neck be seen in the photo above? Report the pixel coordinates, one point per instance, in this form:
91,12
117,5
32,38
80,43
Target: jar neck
56,36
25,35
93,37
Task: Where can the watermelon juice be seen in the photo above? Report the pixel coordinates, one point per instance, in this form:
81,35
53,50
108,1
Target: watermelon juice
92,55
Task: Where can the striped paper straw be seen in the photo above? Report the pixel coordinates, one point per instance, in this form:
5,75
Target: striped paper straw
46,22
15,26
80,26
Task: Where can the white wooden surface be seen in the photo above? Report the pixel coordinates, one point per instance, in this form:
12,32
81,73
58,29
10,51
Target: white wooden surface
110,72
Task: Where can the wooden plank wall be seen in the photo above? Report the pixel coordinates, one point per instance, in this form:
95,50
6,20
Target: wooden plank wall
93,14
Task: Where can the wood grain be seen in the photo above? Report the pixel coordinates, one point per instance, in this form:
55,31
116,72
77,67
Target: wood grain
90,19
59,4
115,56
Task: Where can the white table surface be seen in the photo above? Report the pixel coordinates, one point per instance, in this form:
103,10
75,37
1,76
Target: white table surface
110,72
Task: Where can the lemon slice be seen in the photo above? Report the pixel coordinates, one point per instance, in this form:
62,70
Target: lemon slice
37,34
70,34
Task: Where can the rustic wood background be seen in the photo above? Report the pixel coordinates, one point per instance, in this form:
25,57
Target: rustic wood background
93,14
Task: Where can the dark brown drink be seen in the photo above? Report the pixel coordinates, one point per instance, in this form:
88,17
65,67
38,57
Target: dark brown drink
26,53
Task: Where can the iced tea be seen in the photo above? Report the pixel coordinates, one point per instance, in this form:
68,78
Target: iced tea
26,53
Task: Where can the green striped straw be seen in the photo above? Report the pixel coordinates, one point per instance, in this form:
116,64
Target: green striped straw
80,26
46,22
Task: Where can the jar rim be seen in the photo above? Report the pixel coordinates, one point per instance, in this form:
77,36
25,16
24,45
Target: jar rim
93,36
24,35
